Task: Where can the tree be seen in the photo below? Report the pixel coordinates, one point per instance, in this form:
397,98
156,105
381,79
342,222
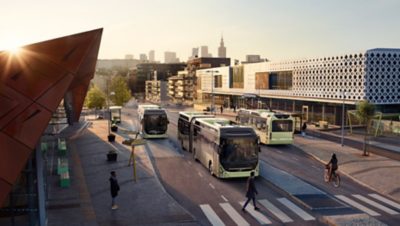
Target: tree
119,87
365,112
95,98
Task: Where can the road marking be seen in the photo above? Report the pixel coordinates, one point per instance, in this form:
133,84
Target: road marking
274,210
235,216
211,215
211,185
280,152
225,199
377,205
296,159
189,162
201,175
259,216
297,210
357,205
385,200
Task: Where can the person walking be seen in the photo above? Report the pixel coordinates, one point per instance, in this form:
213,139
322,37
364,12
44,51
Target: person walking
251,192
303,129
222,109
114,187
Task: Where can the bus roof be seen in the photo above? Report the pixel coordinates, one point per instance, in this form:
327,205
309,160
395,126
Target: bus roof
148,106
218,122
197,114
115,107
264,113
226,127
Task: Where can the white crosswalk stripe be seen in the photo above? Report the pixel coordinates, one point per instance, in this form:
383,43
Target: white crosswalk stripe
357,205
259,216
297,210
274,210
385,200
211,215
376,205
235,216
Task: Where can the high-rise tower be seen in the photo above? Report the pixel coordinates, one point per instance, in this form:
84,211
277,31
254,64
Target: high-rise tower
222,48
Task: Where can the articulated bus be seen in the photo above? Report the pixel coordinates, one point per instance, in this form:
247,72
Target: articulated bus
184,121
153,121
271,127
228,150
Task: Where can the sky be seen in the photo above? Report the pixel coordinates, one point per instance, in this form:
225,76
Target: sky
274,29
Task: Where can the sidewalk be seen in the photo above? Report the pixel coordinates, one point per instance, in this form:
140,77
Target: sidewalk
88,201
376,172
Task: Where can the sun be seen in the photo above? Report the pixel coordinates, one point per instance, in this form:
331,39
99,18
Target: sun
12,46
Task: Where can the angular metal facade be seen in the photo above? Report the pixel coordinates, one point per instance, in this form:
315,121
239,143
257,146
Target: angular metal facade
32,84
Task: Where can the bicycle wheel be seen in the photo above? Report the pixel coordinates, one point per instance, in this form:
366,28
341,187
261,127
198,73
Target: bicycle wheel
336,180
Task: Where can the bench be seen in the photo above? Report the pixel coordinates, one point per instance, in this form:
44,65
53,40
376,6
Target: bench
62,146
62,165
323,124
65,180
44,146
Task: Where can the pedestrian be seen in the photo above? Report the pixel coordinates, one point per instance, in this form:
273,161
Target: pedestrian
114,189
234,108
222,109
251,192
303,129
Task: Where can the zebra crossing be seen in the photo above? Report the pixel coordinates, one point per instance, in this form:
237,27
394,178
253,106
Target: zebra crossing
282,210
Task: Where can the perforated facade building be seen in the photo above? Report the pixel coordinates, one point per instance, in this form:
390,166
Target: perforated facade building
318,86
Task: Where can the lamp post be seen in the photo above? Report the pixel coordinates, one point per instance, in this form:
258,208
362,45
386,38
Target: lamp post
343,94
212,88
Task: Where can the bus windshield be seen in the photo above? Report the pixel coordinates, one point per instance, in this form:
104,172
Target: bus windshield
155,123
238,152
282,126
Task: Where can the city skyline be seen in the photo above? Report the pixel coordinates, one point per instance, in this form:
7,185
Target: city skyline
273,29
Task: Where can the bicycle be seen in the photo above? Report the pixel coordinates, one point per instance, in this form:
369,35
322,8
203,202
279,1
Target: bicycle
335,177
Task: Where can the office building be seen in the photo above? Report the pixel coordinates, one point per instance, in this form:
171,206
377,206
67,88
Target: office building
170,57
142,57
152,56
222,49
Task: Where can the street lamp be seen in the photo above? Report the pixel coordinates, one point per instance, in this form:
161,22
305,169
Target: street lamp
212,87
343,94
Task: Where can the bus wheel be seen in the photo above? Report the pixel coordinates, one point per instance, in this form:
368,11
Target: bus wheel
210,167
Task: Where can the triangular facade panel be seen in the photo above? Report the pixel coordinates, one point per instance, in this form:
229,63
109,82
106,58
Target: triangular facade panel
32,85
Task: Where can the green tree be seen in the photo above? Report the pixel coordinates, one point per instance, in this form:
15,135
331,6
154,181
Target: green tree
365,112
95,98
121,92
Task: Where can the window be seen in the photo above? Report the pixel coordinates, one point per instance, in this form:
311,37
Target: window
218,81
261,80
280,80
237,78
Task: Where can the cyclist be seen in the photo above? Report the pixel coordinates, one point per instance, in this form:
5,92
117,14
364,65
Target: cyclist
333,166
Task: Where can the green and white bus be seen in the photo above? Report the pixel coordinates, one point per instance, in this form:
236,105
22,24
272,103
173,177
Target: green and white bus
184,121
153,121
271,127
228,150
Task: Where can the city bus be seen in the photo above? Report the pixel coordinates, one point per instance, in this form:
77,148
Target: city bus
153,121
184,121
228,150
271,127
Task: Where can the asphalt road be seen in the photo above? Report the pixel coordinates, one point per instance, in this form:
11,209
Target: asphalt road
195,189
